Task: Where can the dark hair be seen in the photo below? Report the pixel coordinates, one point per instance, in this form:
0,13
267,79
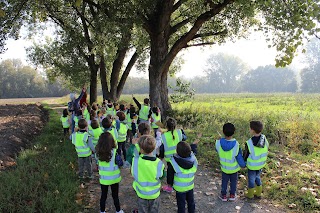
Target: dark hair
155,110
132,111
183,149
82,123
94,124
65,113
94,107
147,143
106,122
144,128
93,114
171,125
121,115
122,107
228,129
146,101
104,147
256,126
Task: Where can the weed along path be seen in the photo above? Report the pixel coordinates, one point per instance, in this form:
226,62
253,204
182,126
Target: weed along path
207,189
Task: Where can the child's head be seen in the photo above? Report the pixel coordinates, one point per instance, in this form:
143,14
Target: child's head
132,109
183,149
171,125
109,104
94,107
121,116
256,126
82,123
155,110
106,122
146,101
65,113
144,129
147,144
103,111
104,147
94,124
122,107
228,129
72,96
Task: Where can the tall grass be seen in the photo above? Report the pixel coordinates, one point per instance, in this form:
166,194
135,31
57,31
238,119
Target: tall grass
44,179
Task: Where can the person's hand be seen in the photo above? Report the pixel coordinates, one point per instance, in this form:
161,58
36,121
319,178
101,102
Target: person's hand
84,89
196,141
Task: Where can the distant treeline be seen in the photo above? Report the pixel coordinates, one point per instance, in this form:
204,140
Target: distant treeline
20,81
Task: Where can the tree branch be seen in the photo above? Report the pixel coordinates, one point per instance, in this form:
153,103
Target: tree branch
176,27
202,35
199,44
82,16
177,5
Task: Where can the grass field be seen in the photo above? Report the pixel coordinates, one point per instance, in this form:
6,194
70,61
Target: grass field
291,177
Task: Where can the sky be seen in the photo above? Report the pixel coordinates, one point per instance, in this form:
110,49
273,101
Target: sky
254,51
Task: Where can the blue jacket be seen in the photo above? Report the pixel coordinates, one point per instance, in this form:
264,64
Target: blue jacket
227,145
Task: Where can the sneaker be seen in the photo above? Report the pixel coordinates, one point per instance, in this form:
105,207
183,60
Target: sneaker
223,198
232,197
121,211
167,188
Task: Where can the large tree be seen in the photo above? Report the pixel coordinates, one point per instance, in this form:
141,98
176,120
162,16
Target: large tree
173,25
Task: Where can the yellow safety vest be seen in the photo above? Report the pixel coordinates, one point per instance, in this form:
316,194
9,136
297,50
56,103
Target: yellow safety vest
170,144
122,132
80,141
95,133
183,178
109,172
144,112
258,156
65,121
228,161
147,175
155,120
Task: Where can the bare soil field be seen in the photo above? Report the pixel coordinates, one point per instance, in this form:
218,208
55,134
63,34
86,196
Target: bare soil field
19,124
24,100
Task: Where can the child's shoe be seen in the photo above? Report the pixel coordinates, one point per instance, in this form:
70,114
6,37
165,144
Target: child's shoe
250,194
121,211
258,191
223,198
167,188
232,197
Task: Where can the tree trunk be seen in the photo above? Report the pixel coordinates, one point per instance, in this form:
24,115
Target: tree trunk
103,78
93,85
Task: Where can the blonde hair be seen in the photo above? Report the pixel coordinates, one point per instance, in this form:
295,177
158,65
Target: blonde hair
147,143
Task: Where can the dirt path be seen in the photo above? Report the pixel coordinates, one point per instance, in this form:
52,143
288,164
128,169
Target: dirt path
207,189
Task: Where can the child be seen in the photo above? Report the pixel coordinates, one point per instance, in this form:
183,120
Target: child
185,165
76,120
132,122
95,131
122,129
144,110
155,117
107,125
146,170
108,171
134,149
110,110
74,106
170,139
84,148
255,154
65,119
231,159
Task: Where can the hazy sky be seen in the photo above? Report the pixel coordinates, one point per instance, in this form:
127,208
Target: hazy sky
254,51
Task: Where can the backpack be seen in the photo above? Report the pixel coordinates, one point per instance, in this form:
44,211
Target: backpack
119,160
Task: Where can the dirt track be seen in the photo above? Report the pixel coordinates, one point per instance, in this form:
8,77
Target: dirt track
24,100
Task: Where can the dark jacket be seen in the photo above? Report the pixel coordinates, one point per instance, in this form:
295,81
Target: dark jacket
227,145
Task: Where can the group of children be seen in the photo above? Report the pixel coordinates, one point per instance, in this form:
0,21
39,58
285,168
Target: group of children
102,133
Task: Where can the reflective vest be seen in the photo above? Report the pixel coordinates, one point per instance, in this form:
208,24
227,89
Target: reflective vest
146,174
80,141
155,119
76,120
122,132
109,171
110,111
129,120
95,133
228,161
144,112
170,144
86,114
114,133
65,122
183,178
258,156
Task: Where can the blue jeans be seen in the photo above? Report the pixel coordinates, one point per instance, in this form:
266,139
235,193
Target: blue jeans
181,201
233,183
254,178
